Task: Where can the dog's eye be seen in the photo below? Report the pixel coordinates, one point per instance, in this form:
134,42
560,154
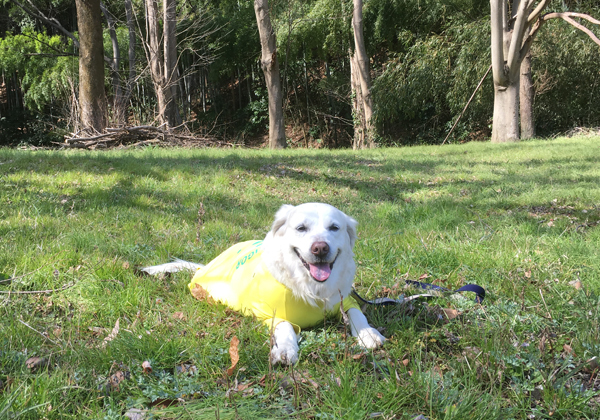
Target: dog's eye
301,228
334,228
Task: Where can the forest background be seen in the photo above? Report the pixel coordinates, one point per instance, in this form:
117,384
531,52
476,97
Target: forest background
426,58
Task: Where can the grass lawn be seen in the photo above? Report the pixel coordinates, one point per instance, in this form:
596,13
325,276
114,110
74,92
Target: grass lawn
77,320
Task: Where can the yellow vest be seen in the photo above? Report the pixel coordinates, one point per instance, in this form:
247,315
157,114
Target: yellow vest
240,279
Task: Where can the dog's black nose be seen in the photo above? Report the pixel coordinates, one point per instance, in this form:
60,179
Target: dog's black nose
319,249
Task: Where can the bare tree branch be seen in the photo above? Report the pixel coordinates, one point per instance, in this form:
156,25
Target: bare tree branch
536,12
33,11
567,17
497,24
514,56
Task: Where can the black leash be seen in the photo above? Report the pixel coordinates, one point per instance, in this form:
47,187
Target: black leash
478,290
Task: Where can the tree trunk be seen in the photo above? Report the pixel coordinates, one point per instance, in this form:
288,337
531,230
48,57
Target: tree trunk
92,98
118,102
527,95
358,111
130,50
270,67
154,59
505,126
361,62
170,67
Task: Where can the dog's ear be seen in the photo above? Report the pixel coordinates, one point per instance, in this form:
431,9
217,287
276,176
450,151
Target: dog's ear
281,217
351,225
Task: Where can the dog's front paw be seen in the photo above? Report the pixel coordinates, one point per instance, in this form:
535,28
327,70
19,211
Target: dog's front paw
370,338
284,354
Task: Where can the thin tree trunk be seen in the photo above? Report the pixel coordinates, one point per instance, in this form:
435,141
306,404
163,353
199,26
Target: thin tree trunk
270,67
358,111
92,98
118,103
154,59
527,95
170,59
203,82
362,71
130,50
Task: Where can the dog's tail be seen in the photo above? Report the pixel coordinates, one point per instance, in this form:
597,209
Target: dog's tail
171,267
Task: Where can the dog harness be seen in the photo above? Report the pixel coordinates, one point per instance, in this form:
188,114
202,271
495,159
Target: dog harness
240,279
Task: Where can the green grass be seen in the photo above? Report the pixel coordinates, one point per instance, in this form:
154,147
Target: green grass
521,220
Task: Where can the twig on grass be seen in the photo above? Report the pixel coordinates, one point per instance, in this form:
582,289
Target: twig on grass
27,274
546,306
32,292
29,326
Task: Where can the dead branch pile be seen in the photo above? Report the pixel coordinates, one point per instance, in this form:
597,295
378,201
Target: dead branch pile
127,137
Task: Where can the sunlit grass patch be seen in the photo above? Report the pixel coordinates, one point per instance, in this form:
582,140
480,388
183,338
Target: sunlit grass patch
521,220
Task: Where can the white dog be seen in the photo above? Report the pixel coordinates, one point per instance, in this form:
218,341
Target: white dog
294,278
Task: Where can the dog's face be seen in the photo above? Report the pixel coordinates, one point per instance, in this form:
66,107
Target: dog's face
309,249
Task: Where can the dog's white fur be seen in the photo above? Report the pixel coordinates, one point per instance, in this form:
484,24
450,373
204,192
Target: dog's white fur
294,231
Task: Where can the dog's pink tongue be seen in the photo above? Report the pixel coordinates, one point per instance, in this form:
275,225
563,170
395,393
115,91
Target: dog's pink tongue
320,272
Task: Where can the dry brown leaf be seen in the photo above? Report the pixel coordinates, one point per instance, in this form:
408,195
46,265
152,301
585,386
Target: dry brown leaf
424,276
34,363
576,284
179,315
242,387
568,350
115,380
135,414
233,353
405,362
451,313
112,335
528,274
186,368
126,265
146,367
471,352
201,294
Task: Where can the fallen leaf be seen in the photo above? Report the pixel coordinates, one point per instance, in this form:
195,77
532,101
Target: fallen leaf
528,274
568,350
550,223
186,368
112,335
35,363
135,414
146,367
451,313
576,284
126,265
179,315
424,276
233,353
163,402
594,364
305,378
201,294
471,352
405,362
242,387
115,380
